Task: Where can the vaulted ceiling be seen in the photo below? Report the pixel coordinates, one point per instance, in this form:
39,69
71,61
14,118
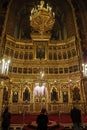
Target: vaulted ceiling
70,19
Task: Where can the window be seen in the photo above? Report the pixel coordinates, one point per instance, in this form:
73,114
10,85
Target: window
26,56
16,54
21,55
25,70
56,70
65,70
73,52
75,68
70,69
50,56
35,70
64,55
69,54
15,69
46,70
30,55
60,56
19,70
50,70
30,70
60,70
55,56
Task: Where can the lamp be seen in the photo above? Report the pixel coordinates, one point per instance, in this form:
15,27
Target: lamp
42,18
4,67
84,69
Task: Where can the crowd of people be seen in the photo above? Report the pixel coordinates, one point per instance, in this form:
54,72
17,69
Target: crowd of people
42,119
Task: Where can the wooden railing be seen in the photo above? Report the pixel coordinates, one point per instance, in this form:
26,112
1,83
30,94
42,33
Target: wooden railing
51,108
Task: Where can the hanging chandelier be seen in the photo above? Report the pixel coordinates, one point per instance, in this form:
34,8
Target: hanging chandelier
42,18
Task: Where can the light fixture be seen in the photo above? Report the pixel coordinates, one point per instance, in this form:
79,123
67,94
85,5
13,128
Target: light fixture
40,90
42,18
84,69
4,67
42,74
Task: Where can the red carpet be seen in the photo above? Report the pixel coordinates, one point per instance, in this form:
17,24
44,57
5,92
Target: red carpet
28,118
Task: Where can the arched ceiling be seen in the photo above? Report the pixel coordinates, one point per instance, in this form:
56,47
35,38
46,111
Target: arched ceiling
70,19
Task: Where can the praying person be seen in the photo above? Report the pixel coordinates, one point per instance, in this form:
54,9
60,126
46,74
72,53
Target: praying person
42,120
6,119
76,118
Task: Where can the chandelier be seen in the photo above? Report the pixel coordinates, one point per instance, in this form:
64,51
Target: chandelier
42,18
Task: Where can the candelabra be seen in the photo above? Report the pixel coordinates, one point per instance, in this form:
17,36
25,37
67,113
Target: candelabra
4,67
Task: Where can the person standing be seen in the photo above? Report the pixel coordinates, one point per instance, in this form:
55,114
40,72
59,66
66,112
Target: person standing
76,118
42,120
6,119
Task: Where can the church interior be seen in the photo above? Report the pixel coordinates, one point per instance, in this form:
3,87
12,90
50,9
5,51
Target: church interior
43,56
